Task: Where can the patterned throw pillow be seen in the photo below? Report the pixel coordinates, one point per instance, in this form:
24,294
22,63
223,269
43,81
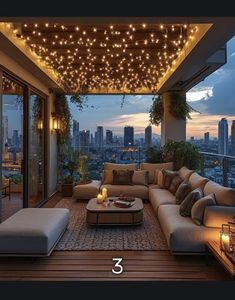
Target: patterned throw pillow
188,202
176,181
165,177
182,191
197,211
140,177
122,177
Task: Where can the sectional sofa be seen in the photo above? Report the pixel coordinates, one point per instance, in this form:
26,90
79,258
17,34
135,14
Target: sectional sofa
182,234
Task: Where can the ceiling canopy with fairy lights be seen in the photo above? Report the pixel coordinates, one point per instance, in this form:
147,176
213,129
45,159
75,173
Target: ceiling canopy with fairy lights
95,58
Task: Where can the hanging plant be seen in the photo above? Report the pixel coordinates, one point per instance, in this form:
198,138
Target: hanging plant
179,108
156,110
79,100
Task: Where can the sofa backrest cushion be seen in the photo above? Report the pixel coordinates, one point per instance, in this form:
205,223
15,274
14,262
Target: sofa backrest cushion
224,196
215,216
152,167
196,181
165,178
113,166
185,173
140,177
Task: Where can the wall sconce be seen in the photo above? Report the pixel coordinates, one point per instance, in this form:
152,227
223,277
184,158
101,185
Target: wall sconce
56,124
40,124
226,238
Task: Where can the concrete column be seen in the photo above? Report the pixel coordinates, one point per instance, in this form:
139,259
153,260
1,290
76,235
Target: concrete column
172,128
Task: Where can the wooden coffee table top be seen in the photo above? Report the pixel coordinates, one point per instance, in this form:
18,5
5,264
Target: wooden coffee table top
220,256
93,206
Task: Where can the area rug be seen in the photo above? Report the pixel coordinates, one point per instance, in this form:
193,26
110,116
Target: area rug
80,236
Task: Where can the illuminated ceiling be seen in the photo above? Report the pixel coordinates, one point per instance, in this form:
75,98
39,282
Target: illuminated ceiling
106,58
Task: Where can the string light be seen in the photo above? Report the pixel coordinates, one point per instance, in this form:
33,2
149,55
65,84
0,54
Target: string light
96,57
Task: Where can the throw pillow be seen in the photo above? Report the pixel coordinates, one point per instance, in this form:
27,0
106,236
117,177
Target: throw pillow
176,181
182,191
122,177
140,177
165,178
107,177
188,202
197,211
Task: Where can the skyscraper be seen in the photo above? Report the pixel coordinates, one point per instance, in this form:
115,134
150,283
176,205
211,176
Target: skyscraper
5,131
15,139
75,140
109,137
84,139
100,136
233,138
148,136
128,136
223,136
206,137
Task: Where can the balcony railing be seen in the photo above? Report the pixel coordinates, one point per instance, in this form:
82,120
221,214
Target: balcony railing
219,168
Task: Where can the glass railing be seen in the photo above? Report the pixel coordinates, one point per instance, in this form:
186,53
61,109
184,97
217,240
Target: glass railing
118,154
219,168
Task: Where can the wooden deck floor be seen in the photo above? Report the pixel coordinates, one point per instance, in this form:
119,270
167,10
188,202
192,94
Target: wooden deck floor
97,265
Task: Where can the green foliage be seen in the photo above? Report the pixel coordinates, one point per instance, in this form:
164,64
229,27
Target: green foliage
83,167
182,154
156,111
79,100
68,180
179,108
154,155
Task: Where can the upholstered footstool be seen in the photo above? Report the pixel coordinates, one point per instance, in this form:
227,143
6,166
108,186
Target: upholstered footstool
33,231
87,191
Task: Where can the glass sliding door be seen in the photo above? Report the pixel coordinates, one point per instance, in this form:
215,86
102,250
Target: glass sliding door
12,99
36,140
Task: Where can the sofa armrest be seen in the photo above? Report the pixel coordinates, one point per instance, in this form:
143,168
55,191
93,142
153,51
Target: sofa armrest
215,216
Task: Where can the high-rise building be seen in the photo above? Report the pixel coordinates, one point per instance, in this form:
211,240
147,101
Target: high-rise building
84,140
100,136
75,138
109,137
15,139
128,136
206,137
148,136
223,136
233,138
92,139
5,131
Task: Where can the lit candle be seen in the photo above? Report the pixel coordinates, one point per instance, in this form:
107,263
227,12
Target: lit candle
104,193
225,242
100,198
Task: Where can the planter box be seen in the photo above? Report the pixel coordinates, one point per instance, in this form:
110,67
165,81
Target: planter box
67,190
16,187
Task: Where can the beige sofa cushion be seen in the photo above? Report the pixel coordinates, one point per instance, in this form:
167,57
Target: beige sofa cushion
181,233
87,191
152,167
139,191
107,177
140,177
198,209
196,181
215,216
159,197
185,173
112,166
223,195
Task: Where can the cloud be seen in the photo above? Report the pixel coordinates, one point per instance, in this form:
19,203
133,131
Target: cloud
197,94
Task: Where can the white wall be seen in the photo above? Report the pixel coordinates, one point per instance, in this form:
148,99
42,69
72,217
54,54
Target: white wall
18,70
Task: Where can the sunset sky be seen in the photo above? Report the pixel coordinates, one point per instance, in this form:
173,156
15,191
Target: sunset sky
214,98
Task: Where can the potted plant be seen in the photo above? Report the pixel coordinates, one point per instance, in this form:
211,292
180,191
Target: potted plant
69,167
83,169
154,155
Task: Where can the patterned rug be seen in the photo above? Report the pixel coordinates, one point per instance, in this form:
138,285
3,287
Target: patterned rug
80,236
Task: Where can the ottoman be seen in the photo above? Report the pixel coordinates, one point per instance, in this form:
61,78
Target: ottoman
33,231
87,191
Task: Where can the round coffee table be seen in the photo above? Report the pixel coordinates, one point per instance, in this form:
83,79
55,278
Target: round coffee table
100,214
